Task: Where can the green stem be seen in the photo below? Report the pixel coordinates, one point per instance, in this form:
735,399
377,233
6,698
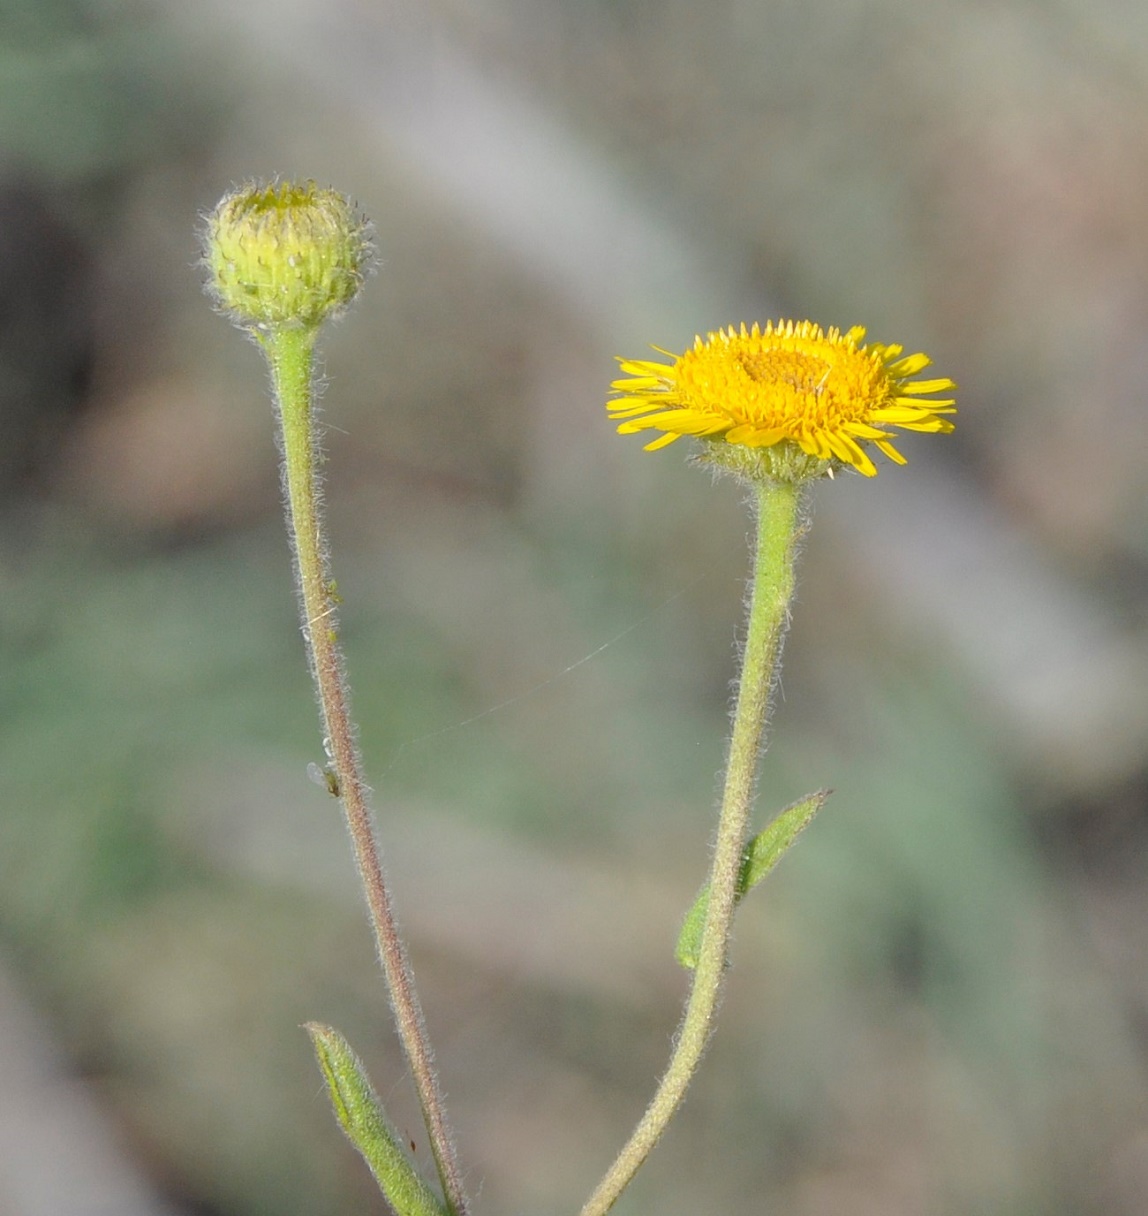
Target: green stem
777,531
290,354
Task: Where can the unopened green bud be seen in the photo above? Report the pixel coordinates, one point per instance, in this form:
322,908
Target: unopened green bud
285,254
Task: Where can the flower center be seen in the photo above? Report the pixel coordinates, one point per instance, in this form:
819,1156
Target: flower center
801,372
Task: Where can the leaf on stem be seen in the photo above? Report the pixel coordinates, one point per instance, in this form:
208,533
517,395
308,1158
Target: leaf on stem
362,1118
761,854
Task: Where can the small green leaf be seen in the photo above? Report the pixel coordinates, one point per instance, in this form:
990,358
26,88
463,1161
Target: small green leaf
761,854
361,1116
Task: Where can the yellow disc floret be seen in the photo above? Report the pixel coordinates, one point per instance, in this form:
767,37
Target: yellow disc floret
795,401
282,254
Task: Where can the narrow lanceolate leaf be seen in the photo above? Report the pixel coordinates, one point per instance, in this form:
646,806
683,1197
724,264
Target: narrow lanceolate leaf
762,853
361,1116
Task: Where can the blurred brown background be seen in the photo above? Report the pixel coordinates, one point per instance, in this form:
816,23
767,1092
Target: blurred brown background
939,1004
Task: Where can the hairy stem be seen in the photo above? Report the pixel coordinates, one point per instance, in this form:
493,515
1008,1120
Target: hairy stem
290,353
777,506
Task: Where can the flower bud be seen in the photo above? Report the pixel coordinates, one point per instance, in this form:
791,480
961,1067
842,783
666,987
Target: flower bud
285,254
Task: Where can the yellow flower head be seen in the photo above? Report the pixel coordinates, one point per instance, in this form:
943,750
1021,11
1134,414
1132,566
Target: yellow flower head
808,399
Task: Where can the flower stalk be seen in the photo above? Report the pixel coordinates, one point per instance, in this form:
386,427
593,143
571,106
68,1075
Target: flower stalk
282,259
289,352
778,407
777,506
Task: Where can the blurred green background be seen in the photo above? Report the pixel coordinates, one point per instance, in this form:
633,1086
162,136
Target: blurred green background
939,1004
